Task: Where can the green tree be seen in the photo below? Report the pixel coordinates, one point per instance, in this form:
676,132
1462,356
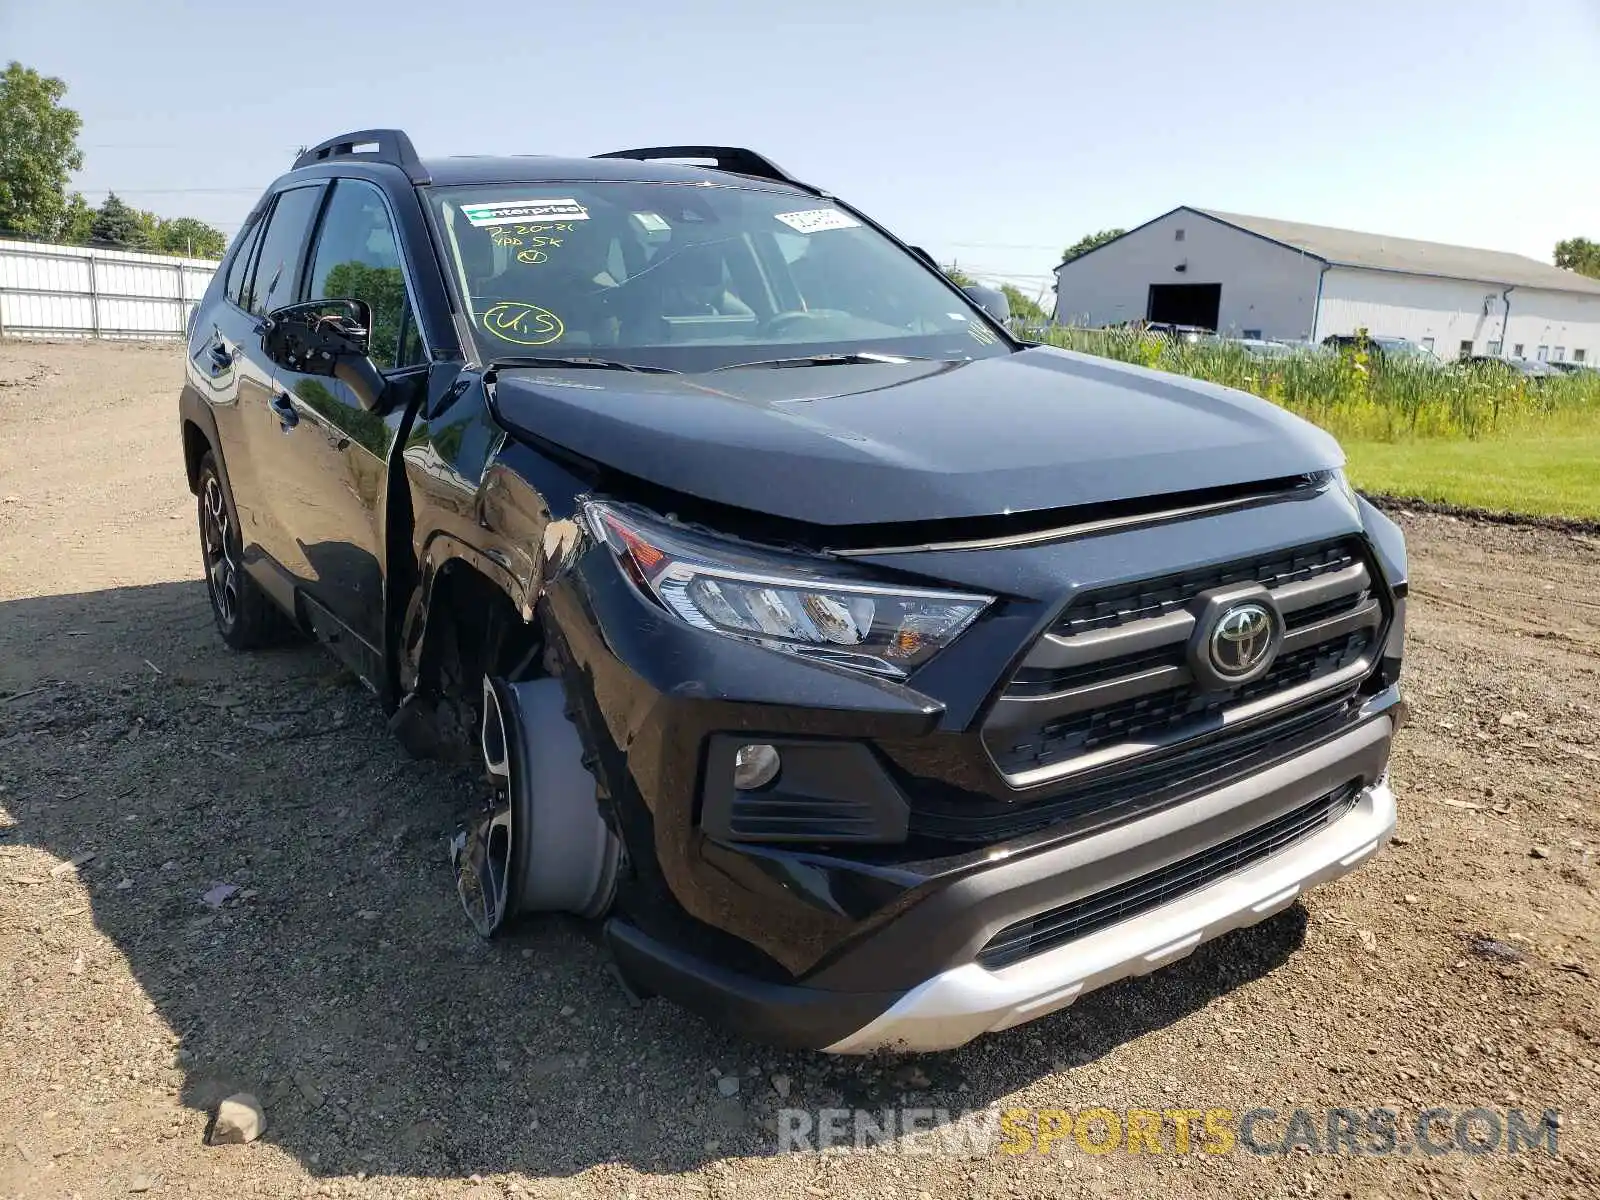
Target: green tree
958,277
191,237
38,152
116,224
1580,255
78,226
1023,307
1088,242
149,230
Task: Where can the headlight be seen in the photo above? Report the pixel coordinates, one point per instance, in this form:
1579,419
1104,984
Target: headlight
783,605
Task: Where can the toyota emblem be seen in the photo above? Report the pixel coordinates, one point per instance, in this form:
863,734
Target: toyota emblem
1242,640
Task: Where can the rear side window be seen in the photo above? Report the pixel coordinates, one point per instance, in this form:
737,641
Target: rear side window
283,249
239,265
358,258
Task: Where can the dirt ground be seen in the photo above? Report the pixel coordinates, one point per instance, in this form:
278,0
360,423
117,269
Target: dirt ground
141,764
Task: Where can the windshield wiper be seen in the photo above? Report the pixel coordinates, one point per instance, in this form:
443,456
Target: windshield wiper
827,360
576,360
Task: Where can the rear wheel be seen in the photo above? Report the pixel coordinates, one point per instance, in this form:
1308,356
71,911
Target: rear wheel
540,844
245,617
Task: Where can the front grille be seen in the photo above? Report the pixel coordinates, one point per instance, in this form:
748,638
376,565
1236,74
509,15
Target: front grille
1063,924
1111,679
1156,716
1152,598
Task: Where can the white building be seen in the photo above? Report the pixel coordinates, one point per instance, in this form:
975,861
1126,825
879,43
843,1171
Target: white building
1257,277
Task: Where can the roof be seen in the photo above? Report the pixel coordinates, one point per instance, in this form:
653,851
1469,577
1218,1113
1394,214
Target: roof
539,168
1377,252
1349,248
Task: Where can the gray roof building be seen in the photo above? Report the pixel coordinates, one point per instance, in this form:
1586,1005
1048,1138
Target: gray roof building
1259,277
1375,251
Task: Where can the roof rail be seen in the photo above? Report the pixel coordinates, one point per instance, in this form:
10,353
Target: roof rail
386,146
734,159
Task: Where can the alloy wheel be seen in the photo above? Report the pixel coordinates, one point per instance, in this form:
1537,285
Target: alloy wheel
216,536
482,852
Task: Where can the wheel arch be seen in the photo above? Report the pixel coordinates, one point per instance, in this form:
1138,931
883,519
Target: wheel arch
448,571
464,620
195,446
199,431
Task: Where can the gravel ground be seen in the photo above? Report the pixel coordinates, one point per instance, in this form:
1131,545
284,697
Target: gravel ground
142,765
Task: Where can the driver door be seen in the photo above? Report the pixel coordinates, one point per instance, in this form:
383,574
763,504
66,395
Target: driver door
331,467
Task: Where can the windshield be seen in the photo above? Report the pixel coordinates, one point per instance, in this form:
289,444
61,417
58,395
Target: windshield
691,277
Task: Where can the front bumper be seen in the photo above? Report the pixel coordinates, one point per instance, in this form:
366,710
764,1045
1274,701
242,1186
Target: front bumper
957,1005
842,1008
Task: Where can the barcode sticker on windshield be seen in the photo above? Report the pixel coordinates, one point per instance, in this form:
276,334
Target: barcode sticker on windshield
817,219
512,212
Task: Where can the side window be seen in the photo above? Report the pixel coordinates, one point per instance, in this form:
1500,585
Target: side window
357,258
240,263
283,248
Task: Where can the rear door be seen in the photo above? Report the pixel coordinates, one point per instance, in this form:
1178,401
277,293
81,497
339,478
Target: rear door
329,470
274,280
214,372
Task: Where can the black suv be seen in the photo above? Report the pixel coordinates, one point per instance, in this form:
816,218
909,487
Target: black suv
871,678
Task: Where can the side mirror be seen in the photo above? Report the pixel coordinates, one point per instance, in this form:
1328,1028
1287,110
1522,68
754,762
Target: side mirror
991,300
328,338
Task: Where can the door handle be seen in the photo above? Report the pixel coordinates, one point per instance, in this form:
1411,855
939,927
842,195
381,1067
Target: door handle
221,355
283,409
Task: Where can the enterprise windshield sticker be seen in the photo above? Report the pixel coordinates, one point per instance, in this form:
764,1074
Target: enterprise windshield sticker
512,212
817,219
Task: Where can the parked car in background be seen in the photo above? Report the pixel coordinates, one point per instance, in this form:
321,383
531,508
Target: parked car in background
1574,368
1263,347
1530,367
1389,349
1178,333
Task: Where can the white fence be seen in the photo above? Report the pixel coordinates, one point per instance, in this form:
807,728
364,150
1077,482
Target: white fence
83,291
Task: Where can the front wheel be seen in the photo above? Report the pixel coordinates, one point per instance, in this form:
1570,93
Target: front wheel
540,844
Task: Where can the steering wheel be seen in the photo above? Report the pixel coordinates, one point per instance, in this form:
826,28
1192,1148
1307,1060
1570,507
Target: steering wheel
780,323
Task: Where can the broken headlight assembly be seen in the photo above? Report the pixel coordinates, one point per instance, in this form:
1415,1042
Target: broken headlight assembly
782,604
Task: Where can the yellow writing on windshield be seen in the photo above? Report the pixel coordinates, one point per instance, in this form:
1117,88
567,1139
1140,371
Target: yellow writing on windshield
524,324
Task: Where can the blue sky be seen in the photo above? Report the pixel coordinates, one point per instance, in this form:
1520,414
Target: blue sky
994,134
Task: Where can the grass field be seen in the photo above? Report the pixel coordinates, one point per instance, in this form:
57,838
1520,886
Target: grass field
1547,476
1482,438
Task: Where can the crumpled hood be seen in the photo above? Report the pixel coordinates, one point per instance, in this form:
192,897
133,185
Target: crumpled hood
879,443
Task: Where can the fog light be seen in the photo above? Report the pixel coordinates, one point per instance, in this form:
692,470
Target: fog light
755,767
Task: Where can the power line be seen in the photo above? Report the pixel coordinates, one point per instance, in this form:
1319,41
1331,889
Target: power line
176,191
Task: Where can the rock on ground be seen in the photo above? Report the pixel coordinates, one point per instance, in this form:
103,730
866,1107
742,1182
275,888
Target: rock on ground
240,1119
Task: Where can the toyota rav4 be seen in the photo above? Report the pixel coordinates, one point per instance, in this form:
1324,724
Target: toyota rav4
872,679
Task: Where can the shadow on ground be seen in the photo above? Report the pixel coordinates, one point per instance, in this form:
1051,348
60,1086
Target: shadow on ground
340,981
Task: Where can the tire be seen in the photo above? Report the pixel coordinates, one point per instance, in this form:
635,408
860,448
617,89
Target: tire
245,617
541,845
